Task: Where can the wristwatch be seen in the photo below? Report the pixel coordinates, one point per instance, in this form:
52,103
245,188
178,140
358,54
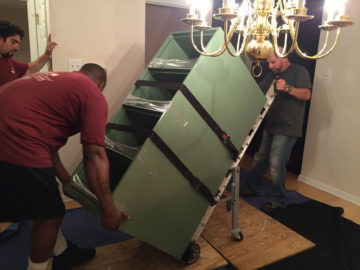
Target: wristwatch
288,89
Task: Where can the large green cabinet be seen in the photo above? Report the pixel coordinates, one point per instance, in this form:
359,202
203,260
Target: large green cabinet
165,209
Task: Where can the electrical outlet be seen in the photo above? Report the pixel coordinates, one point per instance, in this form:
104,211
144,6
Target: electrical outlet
74,64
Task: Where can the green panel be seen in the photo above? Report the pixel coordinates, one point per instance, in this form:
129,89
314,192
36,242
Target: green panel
224,86
159,201
164,209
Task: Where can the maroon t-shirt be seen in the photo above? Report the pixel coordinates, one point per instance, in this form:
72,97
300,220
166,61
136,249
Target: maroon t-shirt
40,111
11,70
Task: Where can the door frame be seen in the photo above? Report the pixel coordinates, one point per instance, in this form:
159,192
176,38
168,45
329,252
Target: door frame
38,21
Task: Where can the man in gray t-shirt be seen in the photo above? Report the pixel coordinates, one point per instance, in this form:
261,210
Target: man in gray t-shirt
283,126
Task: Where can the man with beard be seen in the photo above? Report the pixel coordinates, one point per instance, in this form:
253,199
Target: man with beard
284,125
10,39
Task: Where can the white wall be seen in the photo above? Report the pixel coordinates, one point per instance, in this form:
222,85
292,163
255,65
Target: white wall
110,33
332,149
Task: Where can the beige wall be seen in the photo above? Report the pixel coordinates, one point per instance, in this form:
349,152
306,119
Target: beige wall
332,149
110,33
19,17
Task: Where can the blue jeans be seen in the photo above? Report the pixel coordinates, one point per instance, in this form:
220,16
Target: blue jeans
274,150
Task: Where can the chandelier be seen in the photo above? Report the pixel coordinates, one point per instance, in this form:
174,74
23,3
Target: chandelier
259,24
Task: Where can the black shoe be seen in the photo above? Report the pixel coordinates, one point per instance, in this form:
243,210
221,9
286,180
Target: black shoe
247,192
72,256
269,207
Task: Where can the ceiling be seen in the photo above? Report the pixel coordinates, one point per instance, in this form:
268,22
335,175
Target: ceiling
13,3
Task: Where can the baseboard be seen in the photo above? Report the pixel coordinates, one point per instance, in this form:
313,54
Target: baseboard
334,191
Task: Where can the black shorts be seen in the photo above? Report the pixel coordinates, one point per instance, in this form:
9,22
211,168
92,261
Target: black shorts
28,193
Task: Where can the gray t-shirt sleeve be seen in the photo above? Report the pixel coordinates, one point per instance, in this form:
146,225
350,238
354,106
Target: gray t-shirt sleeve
302,78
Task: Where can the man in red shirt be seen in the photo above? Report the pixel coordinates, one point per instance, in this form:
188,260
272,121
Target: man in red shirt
10,39
37,115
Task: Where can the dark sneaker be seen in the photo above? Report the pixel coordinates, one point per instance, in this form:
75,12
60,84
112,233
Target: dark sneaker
72,256
269,207
247,192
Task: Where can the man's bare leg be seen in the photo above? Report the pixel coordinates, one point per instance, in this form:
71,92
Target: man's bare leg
42,239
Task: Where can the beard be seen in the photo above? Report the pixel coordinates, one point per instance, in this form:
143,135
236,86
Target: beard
7,55
275,71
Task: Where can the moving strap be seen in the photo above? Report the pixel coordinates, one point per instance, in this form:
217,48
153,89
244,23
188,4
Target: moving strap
199,108
194,181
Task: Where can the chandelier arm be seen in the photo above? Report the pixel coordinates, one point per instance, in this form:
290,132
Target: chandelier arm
240,52
284,53
285,19
228,37
292,31
325,43
281,14
202,42
318,56
285,42
293,35
193,43
240,49
245,37
217,53
238,43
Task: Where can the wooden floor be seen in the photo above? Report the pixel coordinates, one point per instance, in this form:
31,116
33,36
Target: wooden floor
134,254
260,238
265,239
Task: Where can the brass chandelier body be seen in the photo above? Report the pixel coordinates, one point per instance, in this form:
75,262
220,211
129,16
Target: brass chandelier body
258,29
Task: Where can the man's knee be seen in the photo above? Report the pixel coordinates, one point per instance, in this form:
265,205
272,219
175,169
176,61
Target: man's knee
53,223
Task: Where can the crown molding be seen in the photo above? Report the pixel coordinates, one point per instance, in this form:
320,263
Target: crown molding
169,3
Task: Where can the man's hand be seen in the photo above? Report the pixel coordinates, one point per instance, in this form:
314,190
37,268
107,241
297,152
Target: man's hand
281,85
112,217
38,64
299,93
50,46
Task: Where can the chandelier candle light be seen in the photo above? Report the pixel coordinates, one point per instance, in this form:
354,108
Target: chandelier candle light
259,24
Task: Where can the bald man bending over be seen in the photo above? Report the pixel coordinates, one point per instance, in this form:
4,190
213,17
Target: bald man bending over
37,115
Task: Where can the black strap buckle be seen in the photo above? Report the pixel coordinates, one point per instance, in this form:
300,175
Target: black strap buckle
225,138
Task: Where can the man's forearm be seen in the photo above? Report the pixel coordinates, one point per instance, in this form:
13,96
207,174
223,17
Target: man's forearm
300,93
96,170
38,64
96,167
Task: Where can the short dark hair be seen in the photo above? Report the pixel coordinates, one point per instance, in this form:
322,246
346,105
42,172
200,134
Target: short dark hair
8,29
94,72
